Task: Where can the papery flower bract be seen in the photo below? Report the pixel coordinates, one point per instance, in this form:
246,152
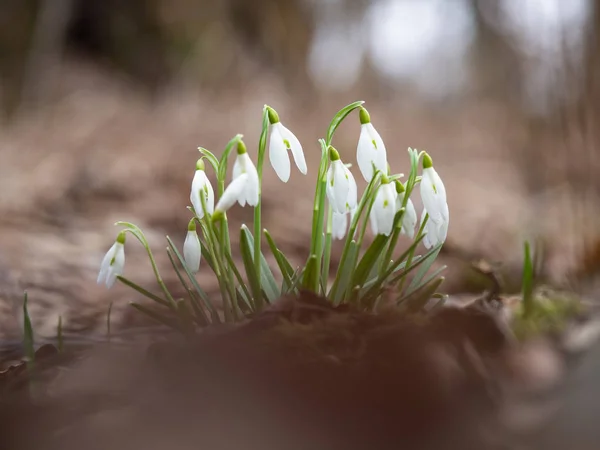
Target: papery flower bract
384,208
113,262
231,195
433,194
281,140
371,149
243,164
192,250
201,185
409,218
341,187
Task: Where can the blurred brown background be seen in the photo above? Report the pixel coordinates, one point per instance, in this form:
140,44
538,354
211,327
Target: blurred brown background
105,101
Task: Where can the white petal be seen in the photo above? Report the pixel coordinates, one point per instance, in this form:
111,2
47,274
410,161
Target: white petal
238,167
295,147
371,150
278,153
192,251
117,266
409,219
339,223
373,221
105,264
384,208
352,189
337,186
201,184
232,193
433,194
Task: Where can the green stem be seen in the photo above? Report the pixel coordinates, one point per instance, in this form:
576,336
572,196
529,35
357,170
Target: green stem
411,254
259,303
327,251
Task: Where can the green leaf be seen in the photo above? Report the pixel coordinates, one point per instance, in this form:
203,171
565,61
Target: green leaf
284,265
345,272
212,310
528,275
369,260
267,280
310,279
246,250
212,159
200,315
339,117
156,316
426,263
419,298
28,340
143,291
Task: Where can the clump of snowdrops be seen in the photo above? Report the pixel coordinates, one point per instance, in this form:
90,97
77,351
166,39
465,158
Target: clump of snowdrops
365,272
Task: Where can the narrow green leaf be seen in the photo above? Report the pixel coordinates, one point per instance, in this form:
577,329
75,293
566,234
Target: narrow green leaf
345,273
419,298
528,276
28,339
143,291
426,264
156,316
369,260
267,280
222,172
339,117
311,274
246,250
284,265
212,310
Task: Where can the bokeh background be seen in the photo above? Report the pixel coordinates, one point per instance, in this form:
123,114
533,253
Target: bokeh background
104,102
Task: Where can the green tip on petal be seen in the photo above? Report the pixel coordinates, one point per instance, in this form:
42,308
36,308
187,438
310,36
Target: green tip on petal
217,215
200,164
427,161
273,116
333,154
121,237
241,148
192,225
400,187
364,116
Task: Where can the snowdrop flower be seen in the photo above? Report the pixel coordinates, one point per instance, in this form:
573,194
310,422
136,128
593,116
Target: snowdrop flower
192,251
280,142
384,208
243,164
341,187
371,149
201,186
232,194
113,262
409,218
339,223
433,194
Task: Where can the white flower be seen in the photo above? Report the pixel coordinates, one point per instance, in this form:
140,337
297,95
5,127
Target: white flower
192,251
433,194
232,194
113,262
280,141
339,224
384,209
201,184
371,149
409,218
341,187
244,165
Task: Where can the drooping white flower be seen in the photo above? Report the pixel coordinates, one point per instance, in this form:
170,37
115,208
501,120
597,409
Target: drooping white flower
371,149
433,194
201,186
192,251
339,224
384,208
341,186
244,165
409,218
281,140
113,262
232,194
